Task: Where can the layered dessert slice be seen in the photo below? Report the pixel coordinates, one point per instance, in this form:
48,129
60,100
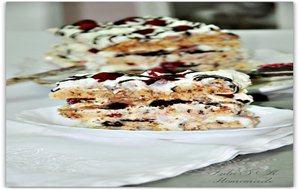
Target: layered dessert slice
273,72
157,100
140,43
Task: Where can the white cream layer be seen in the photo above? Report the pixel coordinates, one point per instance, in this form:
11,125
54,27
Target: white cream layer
240,79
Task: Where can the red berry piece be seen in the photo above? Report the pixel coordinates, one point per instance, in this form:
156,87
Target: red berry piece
156,22
106,76
171,65
277,65
126,20
86,24
145,32
187,48
77,100
153,72
181,28
114,115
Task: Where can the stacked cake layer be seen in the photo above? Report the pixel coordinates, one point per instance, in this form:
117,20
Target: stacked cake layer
156,100
140,43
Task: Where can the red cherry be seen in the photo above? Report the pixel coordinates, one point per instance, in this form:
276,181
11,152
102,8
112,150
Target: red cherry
144,32
86,24
181,28
125,20
156,22
171,65
106,76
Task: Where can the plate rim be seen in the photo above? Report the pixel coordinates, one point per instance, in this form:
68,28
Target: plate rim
20,118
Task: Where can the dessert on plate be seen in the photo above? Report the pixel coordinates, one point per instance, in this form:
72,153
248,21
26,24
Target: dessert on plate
141,43
273,72
157,100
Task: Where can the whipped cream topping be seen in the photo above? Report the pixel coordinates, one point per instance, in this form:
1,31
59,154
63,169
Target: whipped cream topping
104,35
137,82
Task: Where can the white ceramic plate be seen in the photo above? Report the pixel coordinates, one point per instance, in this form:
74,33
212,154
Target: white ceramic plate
271,87
270,119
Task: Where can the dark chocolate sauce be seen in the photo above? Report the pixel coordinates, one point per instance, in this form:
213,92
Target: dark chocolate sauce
62,56
75,78
75,34
243,101
212,104
162,77
137,120
163,52
227,95
200,77
158,103
202,51
93,50
114,124
116,106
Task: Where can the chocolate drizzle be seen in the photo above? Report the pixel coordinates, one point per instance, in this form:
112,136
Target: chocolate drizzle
163,77
243,101
159,103
201,77
165,103
164,52
75,77
137,120
113,124
116,106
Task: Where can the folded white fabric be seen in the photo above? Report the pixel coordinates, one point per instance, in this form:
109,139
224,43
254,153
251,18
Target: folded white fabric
38,156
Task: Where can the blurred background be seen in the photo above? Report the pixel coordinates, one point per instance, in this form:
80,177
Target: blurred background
228,15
